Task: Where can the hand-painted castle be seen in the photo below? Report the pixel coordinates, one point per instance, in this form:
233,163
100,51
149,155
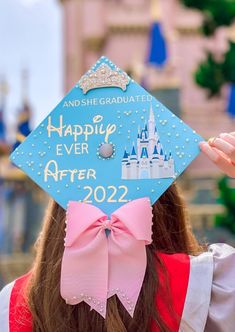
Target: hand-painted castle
148,161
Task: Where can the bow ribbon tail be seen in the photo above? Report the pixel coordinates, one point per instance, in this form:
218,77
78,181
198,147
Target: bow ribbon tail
84,269
127,266
84,275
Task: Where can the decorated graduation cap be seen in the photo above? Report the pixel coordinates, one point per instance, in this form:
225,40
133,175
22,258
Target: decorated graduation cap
111,144
107,142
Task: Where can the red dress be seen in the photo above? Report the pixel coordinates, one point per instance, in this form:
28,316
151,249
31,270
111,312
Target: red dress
202,291
177,267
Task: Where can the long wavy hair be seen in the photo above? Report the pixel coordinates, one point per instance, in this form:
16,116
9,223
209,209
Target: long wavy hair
171,234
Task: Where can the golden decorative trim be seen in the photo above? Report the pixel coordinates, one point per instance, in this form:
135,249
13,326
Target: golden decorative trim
155,10
23,116
188,30
62,1
20,137
129,29
94,44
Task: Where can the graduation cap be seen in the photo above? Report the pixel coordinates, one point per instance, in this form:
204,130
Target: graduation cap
107,142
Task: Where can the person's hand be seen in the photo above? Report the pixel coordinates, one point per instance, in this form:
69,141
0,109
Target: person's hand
221,151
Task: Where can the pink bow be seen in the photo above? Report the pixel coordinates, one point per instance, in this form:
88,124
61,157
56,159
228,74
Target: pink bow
97,265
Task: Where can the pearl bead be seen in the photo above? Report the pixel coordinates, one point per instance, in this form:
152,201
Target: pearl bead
106,150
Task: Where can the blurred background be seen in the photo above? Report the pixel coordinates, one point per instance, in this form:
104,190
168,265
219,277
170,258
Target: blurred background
182,51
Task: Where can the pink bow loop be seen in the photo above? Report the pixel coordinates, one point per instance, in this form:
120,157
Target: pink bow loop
96,264
80,217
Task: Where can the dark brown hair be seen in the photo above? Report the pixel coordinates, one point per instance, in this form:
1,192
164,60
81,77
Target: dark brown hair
171,234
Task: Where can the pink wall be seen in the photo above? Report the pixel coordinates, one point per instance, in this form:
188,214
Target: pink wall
121,28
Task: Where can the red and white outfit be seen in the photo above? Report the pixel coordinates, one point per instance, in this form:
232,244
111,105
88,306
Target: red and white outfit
202,290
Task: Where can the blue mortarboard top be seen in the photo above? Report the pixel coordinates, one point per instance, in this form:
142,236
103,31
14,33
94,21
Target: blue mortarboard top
106,143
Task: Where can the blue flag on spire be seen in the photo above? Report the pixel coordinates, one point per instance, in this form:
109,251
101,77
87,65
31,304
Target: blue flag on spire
2,126
157,44
231,101
157,48
23,125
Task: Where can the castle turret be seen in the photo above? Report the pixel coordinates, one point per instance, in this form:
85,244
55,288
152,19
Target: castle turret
148,159
151,132
138,142
146,127
171,165
161,154
125,161
133,164
3,92
155,164
24,115
142,142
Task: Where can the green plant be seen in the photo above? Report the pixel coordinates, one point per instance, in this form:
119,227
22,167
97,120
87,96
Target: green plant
211,73
216,13
227,198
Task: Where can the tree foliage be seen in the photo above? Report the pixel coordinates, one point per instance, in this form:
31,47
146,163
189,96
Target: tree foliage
216,13
227,198
211,73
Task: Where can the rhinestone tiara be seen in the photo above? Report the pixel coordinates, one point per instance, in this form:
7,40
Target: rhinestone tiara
103,77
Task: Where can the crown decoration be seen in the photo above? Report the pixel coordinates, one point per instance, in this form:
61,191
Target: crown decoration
103,77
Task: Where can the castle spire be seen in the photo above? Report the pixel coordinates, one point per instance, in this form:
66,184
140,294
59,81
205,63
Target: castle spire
24,115
125,156
145,126
155,150
3,93
144,153
25,86
155,153
151,114
152,131
133,153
